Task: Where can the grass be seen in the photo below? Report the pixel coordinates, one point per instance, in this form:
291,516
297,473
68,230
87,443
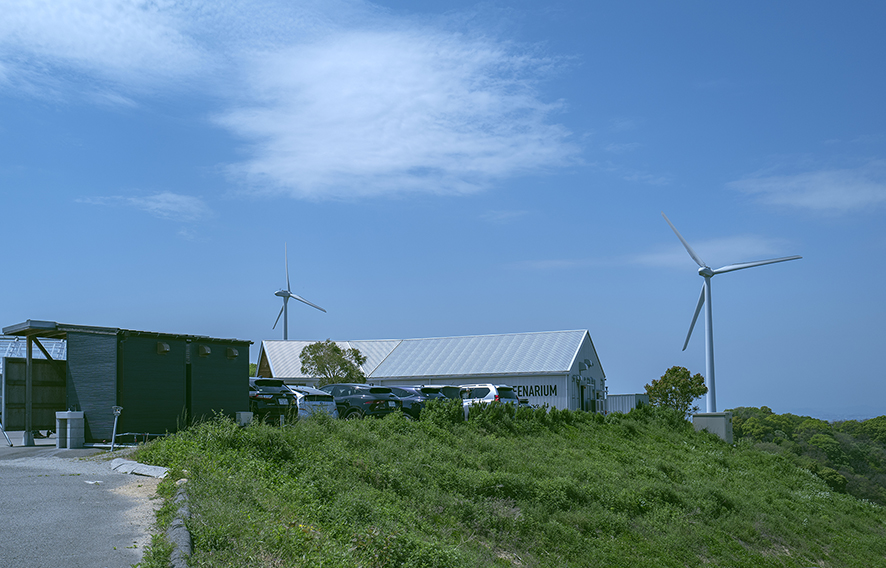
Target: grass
506,488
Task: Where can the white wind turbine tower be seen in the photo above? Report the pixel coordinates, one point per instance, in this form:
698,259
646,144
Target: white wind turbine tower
286,294
705,300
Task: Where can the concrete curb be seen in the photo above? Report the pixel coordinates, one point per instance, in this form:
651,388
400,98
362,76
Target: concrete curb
177,533
128,466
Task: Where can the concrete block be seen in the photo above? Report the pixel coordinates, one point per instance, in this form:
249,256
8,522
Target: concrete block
70,428
719,423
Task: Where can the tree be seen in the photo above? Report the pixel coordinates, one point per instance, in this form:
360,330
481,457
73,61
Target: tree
677,389
332,364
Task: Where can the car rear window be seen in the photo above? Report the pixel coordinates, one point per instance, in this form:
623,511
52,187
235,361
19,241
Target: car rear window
430,390
506,392
268,382
319,398
380,390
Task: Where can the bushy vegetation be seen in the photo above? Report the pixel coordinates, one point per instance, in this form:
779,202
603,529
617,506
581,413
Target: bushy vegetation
507,487
849,455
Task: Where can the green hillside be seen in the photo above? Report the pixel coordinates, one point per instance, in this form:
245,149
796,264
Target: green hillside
533,488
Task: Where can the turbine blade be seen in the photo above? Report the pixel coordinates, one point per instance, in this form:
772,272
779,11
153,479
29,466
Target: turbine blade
741,265
300,299
694,318
278,318
691,252
286,259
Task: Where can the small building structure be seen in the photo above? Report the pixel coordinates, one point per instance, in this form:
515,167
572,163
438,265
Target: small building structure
625,403
558,368
162,381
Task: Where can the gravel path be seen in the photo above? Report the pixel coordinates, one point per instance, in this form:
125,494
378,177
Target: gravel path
74,512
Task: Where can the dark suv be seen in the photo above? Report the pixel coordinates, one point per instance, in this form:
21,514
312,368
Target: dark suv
354,401
414,398
269,399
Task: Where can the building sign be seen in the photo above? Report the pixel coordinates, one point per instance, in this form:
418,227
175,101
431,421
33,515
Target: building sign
524,391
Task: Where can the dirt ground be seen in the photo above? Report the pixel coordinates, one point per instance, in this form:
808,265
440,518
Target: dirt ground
142,515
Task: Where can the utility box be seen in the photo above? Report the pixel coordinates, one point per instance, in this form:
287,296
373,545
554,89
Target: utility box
719,423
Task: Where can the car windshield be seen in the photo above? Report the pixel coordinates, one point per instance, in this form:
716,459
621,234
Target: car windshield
430,390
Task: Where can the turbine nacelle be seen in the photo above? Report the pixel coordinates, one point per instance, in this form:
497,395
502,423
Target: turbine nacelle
705,271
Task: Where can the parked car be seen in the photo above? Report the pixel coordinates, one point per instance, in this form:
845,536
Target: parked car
486,393
269,399
449,391
414,398
311,401
356,400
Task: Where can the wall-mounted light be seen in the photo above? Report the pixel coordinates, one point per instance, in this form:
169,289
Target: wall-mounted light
232,353
204,350
582,367
162,348
589,363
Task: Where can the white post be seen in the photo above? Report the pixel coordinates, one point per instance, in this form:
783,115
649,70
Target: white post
709,348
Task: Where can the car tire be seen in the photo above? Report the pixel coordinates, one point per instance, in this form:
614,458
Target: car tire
354,415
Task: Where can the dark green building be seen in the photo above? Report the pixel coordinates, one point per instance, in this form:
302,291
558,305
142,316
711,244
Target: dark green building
163,381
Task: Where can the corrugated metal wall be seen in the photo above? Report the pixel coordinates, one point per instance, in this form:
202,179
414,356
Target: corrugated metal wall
92,380
625,402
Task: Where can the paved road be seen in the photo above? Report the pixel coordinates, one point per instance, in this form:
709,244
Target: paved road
60,510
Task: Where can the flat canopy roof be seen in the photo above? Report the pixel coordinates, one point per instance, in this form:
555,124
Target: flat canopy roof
54,330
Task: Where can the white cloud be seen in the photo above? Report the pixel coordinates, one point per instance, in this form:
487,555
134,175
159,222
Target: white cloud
164,205
830,191
407,110
334,99
128,42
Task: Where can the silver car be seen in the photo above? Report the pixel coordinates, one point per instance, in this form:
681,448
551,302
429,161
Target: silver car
312,401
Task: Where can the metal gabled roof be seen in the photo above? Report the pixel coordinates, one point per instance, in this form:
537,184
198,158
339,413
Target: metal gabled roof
284,356
514,353
548,352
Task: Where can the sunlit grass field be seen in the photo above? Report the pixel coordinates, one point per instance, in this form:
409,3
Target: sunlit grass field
506,488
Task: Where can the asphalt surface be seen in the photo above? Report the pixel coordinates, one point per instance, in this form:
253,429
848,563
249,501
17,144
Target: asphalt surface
58,509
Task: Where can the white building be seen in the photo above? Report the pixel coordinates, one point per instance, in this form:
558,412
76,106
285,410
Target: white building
557,368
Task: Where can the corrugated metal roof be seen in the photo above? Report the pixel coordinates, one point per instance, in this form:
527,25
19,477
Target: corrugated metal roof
515,353
284,356
17,347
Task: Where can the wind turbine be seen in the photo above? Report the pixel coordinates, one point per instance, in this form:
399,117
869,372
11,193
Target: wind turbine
705,300
286,294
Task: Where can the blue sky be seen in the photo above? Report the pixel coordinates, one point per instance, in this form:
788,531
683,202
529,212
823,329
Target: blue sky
454,168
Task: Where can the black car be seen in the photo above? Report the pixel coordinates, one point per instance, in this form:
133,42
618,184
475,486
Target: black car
449,391
414,398
354,401
269,399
